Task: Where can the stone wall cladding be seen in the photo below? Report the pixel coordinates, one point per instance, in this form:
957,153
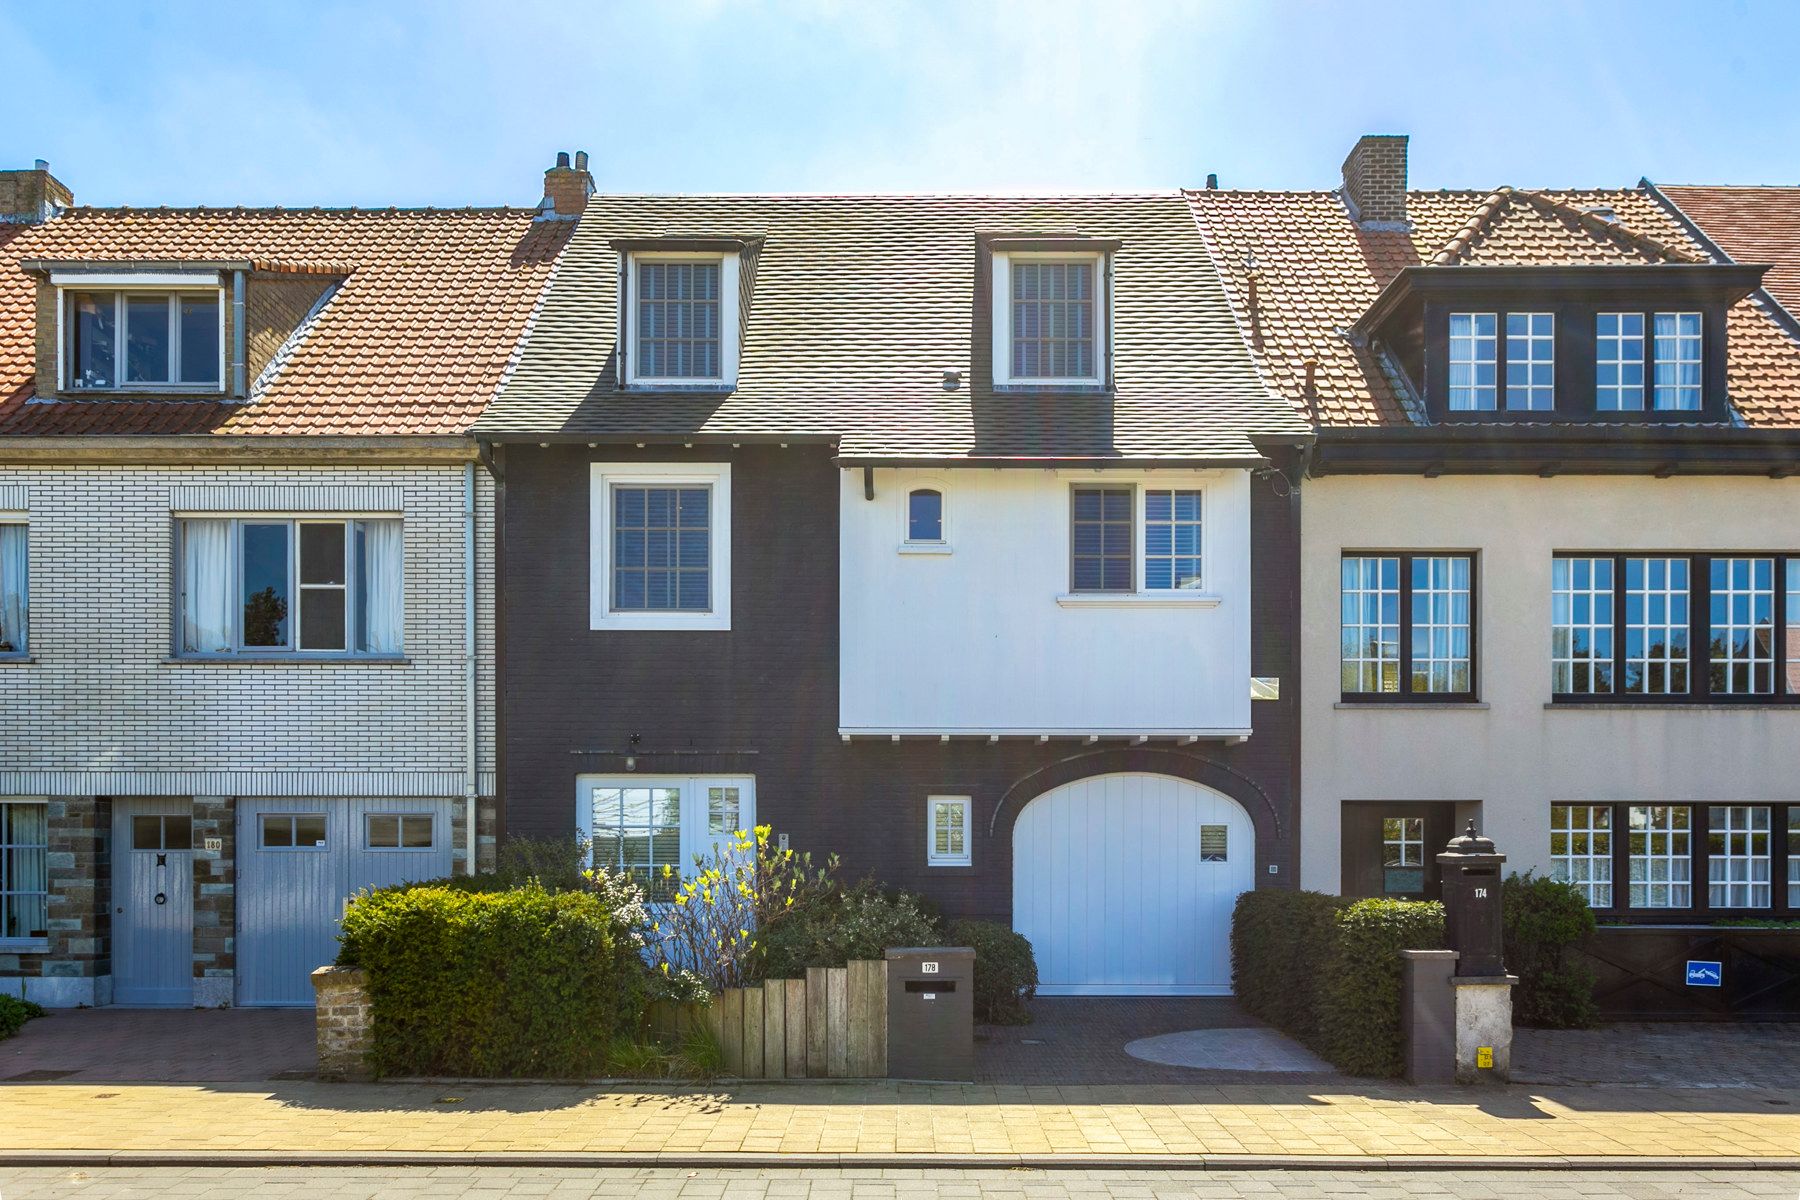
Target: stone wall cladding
215,900
80,923
344,1020
110,697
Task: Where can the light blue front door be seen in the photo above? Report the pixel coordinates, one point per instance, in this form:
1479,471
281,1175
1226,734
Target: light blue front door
153,902
298,860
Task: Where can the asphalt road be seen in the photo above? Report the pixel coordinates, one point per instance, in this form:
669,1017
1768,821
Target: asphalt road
506,1183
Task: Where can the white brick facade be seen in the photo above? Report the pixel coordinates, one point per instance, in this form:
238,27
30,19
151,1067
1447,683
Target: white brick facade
109,710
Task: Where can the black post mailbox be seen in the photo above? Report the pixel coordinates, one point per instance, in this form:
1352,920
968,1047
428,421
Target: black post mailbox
931,1013
1470,868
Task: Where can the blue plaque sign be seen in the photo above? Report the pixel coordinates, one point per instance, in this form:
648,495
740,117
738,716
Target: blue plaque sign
1705,974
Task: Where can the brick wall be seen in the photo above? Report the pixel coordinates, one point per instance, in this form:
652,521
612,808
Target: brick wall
344,1022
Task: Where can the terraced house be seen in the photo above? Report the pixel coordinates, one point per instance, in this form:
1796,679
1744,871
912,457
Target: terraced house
1551,555
246,578
952,534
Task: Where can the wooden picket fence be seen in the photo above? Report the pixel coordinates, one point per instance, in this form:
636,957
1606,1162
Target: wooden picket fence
830,1025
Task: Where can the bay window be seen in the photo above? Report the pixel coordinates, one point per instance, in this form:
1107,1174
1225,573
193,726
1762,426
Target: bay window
252,586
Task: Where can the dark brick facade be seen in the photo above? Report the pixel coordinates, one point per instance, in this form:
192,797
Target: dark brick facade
762,698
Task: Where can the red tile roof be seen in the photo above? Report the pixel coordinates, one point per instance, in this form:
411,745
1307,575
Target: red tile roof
1752,225
1316,271
415,341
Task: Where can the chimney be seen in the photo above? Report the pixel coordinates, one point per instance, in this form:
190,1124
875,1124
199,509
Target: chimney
566,188
1375,181
32,197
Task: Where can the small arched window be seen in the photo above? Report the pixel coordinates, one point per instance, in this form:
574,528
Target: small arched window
925,515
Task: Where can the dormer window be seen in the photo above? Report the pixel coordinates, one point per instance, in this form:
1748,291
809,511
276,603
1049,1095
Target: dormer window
1530,362
1474,358
1677,369
1051,312
1619,362
134,338
679,321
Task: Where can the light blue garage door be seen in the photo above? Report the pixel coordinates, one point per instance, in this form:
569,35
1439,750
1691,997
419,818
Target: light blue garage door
299,860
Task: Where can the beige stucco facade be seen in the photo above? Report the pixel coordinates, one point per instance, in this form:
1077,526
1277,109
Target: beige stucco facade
1510,756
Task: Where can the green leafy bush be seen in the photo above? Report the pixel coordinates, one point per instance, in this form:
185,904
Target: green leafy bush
1359,1024
521,982
14,1012
836,927
1544,919
1005,970
1280,941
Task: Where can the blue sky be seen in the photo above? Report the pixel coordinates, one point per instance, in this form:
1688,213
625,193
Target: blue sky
465,102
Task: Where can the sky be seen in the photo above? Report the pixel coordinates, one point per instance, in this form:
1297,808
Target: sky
467,101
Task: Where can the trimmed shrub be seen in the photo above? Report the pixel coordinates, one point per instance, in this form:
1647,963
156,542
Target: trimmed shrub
1545,918
1281,941
860,922
521,982
1359,1024
1005,970
14,1012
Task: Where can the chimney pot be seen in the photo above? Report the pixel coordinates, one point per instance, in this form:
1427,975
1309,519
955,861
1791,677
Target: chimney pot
1212,182
42,164
562,158
1375,181
581,160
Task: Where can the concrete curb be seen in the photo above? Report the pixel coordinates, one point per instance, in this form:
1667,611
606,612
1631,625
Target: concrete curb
1040,1162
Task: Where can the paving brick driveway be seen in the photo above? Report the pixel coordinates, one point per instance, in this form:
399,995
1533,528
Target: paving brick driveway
136,1045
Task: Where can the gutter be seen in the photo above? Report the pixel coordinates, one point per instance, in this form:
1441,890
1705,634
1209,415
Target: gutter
210,447
471,784
1610,449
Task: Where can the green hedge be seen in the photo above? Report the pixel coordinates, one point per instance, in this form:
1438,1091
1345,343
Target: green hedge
1005,970
1544,919
522,982
858,923
1327,971
14,1012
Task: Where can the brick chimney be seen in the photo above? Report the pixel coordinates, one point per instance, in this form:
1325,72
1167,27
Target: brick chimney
32,197
566,188
1375,181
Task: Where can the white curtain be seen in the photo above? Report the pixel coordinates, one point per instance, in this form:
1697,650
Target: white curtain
24,829
206,586
383,587
13,606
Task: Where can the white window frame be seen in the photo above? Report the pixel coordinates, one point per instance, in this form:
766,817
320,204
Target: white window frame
293,649
168,283
1563,598
602,477
1477,391
1001,304
936,807
1667,598
1677,360
729,329
1676,888
697,837
1139,596
1737,876
1532,342
1610,350
27,942
1590,869
1143,537
1757,660
400,846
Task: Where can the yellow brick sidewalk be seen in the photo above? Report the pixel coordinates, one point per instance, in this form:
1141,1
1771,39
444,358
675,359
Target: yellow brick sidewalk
1377,1121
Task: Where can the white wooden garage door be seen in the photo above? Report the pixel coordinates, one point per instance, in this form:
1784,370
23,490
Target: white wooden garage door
1125,883
299,860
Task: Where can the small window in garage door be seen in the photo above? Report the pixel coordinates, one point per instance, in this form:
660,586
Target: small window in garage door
400,831
1214,843
292,831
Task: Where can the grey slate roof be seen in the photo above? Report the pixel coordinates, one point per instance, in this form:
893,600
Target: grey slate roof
858,306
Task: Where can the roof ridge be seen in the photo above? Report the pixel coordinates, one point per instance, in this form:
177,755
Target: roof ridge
272,210
1478,223
1614,230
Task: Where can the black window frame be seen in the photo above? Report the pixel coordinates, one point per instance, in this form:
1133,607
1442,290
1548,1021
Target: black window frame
1784,902
1699,633
1131,526
1406,694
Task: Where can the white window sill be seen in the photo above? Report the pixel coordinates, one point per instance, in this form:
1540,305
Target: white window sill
286,660
17,660
963,863
1140,600
1411,705
1667,706
24,945
664,622
939,548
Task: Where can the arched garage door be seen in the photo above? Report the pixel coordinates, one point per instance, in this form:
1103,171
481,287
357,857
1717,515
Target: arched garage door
1125,885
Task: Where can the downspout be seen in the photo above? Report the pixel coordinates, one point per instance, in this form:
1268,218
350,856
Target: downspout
238,387
471,784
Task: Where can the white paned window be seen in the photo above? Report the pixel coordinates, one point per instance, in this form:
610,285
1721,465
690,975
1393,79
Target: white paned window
660,548
1619,362
1101,540
1473,362
1737,868
1530,362
1171,539
1656,626
947,832
24,871
724,808
15,592
1050,317
283,585
681,320
132,339
1581,850
1662,857
1676,382
291,831
1440,624
1792,665
1581,626
637,831
1371,624
1403,841
1743,626
399,831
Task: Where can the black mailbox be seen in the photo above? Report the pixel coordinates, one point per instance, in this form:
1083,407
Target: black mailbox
1470,868
931,1013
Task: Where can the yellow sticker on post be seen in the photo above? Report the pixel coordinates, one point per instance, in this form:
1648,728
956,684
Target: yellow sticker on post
1484,1057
